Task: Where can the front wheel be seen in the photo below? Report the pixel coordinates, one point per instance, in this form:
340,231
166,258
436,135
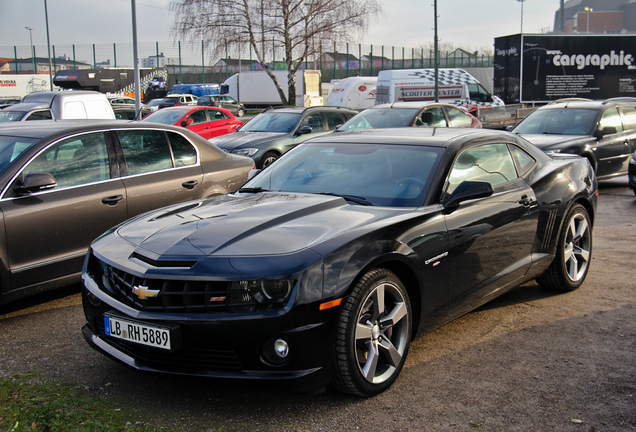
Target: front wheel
268,159
240,112
373,335
574,253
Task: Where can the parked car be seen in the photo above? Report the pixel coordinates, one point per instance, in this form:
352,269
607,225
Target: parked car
129,113
604,132
153,104
177,100
276,131
325,266
632,173
404,114
6,102
65,183
227,102
124,102
59,105
205,121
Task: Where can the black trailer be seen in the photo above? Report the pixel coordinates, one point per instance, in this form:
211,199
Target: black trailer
541,68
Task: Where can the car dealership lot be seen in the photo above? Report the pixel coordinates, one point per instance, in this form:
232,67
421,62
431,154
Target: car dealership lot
531,360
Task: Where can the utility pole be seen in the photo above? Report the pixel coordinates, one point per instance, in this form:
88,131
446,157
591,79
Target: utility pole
435,48
35,69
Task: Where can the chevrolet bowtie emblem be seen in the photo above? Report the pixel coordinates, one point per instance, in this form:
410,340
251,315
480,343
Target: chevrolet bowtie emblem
143,292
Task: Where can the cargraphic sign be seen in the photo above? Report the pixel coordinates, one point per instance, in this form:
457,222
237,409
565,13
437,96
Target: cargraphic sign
555,67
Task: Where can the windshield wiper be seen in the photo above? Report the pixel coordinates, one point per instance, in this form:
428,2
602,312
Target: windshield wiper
252,190
353,198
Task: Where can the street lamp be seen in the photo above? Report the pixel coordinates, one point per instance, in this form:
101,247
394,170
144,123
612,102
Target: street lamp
32,52
588,10
521,1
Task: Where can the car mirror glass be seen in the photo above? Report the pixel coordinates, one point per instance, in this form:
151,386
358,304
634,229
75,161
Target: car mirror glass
305,130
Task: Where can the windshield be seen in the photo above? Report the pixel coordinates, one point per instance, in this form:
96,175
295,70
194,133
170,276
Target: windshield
9,116
377,174
165,116
565,121
272,122
11,147
381,118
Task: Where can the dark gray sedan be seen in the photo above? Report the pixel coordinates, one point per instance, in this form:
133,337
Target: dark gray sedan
65,183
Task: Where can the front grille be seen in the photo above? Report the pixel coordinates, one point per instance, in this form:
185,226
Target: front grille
195,359
174,296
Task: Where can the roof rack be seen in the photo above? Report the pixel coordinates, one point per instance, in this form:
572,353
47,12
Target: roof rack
620,99
572,99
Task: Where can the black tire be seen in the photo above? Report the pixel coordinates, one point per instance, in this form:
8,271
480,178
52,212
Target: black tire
268,159
372,340
573,255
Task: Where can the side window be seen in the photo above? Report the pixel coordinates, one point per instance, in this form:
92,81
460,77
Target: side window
611,119
215,115
198,117
145,150
74,110
432,117
334,119
523,160
629,117
491,163
40,115
458,118
183,151
74,161
314,121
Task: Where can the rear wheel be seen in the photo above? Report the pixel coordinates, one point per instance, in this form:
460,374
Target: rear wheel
574,253
240,112
373,335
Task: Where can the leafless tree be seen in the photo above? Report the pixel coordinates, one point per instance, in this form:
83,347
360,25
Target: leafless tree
299,26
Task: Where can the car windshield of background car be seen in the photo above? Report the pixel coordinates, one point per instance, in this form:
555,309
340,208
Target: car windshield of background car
166,116
12,147
566,121
272,122
381,118
10,116
383,174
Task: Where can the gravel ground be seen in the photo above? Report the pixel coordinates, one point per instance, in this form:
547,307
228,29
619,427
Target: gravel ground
528,361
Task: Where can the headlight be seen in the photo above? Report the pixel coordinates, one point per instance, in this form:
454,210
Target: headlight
245,151
266,291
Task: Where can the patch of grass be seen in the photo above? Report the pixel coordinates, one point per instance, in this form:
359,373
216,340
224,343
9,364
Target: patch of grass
53,407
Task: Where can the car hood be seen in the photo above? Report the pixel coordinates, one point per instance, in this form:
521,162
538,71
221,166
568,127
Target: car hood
250,224
244,139
553,140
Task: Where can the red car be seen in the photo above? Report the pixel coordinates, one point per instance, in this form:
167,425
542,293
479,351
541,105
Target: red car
206,121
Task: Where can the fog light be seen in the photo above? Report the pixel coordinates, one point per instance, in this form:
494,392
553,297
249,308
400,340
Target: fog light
281,348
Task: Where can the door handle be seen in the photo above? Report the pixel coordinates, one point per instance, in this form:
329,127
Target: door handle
190,184
111,201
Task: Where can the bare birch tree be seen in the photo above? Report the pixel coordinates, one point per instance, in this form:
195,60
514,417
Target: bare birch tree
299,26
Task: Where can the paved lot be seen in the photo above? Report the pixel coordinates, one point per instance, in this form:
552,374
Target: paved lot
529,361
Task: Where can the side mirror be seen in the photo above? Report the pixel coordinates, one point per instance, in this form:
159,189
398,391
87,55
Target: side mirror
253,173
607,130
187,122
466,191
305,130
239,127
36,182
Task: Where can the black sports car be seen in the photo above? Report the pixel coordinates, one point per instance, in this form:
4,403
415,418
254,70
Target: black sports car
323,267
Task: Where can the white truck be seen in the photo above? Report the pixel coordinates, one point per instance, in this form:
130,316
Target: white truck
456,86
353,92
255,89
18,86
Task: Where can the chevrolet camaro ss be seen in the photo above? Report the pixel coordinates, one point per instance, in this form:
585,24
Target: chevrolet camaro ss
324,266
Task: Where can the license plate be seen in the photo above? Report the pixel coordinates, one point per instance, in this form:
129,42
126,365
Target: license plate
132,331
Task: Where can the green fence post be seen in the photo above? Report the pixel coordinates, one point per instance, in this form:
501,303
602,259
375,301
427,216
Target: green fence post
54,64
392,57
114,55
335,54
94,59
347,59
74,64
371,59
402,57
180,77
157,51
382,56
15,54
359,59
202,63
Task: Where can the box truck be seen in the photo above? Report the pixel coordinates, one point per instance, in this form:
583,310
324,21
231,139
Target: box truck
541,68
255,89
455,86
353,92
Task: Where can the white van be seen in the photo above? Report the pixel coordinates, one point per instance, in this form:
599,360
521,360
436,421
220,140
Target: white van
61,105
353,92
456,86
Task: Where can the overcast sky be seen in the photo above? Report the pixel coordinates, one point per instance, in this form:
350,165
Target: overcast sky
469,24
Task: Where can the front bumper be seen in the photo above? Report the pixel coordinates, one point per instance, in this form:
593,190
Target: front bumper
234,346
